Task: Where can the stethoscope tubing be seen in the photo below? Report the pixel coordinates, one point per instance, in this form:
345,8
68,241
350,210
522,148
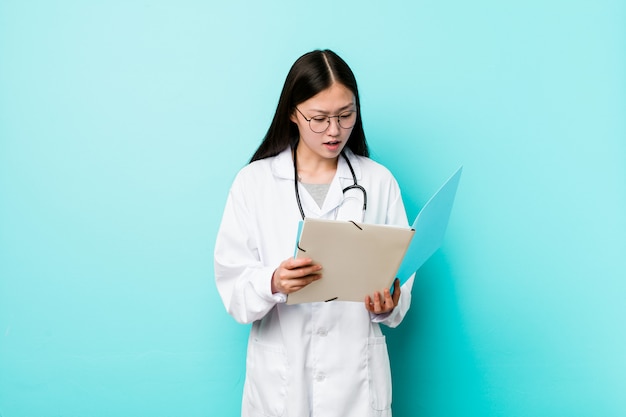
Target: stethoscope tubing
349,187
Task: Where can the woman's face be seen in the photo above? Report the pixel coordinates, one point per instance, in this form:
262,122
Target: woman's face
337,100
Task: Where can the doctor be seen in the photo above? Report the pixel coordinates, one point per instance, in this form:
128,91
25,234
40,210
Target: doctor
316,359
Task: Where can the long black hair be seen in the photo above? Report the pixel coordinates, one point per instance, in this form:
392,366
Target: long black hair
312,73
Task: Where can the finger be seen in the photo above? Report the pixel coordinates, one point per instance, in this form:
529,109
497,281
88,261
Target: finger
297,284
305,272
377,307
389,304
396,291
299,273
369,303
293,263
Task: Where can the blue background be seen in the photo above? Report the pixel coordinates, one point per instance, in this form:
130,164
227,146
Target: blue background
123,123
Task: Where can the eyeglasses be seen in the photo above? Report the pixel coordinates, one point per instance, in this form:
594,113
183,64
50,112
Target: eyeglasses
319,124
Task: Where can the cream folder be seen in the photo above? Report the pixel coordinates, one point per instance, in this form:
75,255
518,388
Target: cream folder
357,259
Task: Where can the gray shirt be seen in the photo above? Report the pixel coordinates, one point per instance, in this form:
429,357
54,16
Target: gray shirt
317,191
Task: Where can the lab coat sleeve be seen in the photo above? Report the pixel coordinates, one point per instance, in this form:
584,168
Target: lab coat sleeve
243,282
396,215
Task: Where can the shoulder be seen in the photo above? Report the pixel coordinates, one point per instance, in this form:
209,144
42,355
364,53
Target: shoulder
266,170
377,179
369,166
252,176
370,170
255,168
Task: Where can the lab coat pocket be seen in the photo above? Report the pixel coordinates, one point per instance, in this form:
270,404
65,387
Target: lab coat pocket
266,379
379,374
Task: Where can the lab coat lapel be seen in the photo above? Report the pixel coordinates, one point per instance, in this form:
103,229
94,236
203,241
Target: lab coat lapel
347,206
282,167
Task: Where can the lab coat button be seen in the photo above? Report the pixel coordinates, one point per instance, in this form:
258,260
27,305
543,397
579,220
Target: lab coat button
320,377
322,332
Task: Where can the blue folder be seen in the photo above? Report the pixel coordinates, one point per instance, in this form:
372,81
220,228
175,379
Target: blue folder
430,226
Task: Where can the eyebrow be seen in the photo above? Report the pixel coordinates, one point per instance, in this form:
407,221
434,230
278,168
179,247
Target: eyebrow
341,109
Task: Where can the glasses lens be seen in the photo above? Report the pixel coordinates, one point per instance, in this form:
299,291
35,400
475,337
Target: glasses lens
319,124
347,120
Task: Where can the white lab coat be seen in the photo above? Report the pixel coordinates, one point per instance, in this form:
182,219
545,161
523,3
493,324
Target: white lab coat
315,359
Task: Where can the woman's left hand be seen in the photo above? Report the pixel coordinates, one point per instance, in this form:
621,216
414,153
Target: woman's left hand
383,304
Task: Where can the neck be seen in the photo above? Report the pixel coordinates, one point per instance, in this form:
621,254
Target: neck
313,169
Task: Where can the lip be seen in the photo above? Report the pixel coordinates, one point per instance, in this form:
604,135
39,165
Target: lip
332,145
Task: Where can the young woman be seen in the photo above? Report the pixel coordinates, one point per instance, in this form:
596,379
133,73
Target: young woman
314,359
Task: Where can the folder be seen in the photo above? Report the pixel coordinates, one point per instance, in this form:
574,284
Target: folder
430,227
359,259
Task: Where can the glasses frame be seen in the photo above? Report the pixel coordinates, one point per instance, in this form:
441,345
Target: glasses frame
328,120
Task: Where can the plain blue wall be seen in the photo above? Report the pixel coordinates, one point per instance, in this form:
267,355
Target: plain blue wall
122,124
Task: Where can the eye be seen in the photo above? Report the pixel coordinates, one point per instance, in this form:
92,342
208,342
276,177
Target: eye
319,119
346,115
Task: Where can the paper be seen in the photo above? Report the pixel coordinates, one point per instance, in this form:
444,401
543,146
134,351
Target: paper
430,226
357,259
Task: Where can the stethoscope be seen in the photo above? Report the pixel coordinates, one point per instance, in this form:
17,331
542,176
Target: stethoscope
349,187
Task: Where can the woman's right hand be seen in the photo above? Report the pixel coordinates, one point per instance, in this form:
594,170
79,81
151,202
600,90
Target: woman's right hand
294,274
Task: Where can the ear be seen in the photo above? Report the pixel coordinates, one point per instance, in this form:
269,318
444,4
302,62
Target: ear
293,116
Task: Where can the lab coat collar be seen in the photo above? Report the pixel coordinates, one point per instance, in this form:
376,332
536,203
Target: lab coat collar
282,165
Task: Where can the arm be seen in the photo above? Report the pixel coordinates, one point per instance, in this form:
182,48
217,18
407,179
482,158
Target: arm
242,280
249,285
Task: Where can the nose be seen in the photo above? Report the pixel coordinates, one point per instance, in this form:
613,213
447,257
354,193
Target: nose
333,129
